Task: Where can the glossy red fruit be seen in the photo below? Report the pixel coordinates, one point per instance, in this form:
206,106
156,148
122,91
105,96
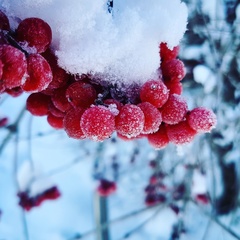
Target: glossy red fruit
39,74
60,100
159,139
174,110
36,33
154,92
14,66
55,111
202,119
71,123
55,122
97,123
174,87
4,22
173,70
81,94
180,133
166,53
130,121
152,116
106,187
125,138
37,104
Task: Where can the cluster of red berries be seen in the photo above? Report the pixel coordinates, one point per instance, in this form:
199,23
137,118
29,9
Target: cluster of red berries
85,107
27,202
106,187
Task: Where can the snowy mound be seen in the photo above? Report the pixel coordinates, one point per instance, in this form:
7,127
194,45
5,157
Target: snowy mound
121,46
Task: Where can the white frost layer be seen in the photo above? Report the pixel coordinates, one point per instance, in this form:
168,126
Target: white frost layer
122,45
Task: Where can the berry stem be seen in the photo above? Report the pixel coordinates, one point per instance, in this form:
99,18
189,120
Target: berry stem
15,44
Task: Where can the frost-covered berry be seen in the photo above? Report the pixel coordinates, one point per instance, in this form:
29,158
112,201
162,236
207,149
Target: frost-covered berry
173,70
180,133
71,123
55,122
81,94
60,100
97,123
166,53
159,139
106,187
35,32
39,74
154,92
153,117
37,104
174,87
174,110
14,67
130,120
202,119
111,101
4,22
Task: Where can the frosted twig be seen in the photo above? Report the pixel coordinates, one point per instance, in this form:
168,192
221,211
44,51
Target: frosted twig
12,130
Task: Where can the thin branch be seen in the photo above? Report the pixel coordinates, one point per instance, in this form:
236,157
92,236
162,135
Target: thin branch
213,218
12,130
119,219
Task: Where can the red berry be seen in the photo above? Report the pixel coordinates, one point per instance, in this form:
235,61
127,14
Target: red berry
174,87
55,122
173,70
37,104
60,100
154,92
174,109
81,94
97,123
152,116
130,120
60,76
36,32
180,133
111,101
1,69
3,122
51,193
4,22
39,74
166,53
125,138
202,119
71,123
55,111
159,139
202,198
106,187
14,67
14,92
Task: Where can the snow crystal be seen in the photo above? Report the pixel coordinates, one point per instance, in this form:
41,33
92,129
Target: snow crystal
122,46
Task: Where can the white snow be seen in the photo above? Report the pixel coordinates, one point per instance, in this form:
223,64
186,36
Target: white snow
123,46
